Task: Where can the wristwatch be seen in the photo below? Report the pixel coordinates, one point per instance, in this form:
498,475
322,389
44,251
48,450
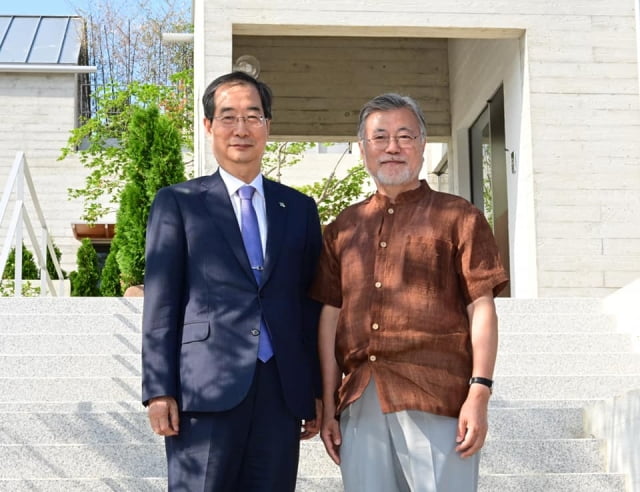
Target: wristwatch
484,381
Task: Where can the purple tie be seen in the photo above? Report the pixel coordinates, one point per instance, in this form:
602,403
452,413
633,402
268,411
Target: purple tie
253,246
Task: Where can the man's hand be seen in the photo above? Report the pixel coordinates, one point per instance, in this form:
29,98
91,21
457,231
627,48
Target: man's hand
472,423
311,427
332,438
331,380
163,416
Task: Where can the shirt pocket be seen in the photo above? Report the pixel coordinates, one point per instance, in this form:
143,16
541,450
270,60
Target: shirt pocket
427,264
195,332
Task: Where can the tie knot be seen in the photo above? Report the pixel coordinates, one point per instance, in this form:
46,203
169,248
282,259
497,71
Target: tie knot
246,192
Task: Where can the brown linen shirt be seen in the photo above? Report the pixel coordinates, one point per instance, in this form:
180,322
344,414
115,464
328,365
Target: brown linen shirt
403,274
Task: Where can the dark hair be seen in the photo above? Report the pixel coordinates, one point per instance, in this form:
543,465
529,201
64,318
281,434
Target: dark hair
387,102
236,78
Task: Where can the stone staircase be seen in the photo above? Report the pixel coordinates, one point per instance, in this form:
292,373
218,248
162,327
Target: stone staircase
70,417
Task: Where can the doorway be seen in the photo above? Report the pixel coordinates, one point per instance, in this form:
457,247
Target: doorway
489,173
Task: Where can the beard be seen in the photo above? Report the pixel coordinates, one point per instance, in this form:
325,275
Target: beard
395,175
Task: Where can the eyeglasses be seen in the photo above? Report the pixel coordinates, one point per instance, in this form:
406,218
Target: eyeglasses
381,142
253,121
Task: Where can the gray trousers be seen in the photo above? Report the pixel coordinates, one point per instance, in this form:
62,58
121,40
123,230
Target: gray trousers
407,451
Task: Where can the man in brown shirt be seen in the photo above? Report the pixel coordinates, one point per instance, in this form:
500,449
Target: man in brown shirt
407,278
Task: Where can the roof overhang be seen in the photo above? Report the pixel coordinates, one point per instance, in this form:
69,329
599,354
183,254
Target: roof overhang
99,233
45,68
177,37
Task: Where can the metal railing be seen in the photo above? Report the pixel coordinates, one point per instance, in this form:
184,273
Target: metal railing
19,175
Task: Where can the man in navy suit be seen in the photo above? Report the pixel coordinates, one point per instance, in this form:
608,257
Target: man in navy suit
232,416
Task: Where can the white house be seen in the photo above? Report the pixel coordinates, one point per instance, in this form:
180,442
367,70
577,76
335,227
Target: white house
43,82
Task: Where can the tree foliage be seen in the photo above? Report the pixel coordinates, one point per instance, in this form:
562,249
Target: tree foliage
333,194
278,155
30,271
154,161
51,269
166,162
29,268
124,39
131,224
8,288
110,276
135,68
84,281
102,140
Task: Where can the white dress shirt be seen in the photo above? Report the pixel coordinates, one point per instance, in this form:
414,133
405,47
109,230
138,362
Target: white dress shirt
233,184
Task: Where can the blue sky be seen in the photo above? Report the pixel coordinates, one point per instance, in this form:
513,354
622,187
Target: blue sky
60,7
41,7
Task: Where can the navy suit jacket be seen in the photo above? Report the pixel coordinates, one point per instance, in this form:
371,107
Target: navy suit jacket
202,305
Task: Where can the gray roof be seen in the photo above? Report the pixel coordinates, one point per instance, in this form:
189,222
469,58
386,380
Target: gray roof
40,40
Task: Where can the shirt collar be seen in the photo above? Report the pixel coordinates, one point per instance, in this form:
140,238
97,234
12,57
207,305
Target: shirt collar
406,197
233,184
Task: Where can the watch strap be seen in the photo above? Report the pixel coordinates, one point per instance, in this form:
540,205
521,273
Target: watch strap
483,381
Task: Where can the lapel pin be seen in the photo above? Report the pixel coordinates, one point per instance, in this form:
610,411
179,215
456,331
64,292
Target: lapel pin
282,204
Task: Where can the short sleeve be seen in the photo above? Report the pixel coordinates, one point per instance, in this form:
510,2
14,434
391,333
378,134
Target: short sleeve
327,287
479,262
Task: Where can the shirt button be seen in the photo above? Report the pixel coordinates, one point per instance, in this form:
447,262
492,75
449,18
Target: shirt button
383,244
255,332
390,210
375,326
372,358
378,285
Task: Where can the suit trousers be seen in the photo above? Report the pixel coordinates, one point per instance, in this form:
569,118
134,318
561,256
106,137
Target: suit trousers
253,447
406,451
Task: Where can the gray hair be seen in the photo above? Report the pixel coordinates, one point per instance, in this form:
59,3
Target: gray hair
387,102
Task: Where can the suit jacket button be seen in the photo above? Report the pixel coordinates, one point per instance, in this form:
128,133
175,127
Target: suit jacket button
255,332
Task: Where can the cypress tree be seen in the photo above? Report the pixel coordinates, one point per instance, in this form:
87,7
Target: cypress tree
155,160
110,278
51,269
167,166
131,227
30,270
84,281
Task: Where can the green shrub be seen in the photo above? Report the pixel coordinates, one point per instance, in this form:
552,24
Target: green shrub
84,281
130,229
29,268
50,266
7,289
154,154
110,277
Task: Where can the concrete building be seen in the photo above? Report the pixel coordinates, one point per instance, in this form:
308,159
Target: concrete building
539,99
43,76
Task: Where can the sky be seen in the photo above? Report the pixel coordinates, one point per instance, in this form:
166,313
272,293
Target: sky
58,7
41,7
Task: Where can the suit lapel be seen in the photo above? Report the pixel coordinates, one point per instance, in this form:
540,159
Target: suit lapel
277,213
219,206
